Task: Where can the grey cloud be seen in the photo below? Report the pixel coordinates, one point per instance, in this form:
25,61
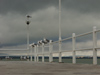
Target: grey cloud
44,22
83,6
28,6
24,6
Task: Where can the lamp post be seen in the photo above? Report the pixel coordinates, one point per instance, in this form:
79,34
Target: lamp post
31,47
60,60
28,22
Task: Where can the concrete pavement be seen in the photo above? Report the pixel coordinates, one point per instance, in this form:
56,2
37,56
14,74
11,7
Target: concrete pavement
33,68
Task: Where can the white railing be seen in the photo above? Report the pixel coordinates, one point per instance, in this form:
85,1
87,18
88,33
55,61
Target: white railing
73,38
49,49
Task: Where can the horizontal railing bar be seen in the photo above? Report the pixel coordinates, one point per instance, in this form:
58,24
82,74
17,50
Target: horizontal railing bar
39,54
46,53
97,47
66,50
66,39
84,34
84,49
46,46
75,36
42,53
87,49
55,42
98,30
55,52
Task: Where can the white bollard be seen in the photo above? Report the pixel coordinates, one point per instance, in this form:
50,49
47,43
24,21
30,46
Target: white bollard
94,46
73,44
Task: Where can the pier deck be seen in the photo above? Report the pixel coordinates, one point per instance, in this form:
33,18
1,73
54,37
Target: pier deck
32,68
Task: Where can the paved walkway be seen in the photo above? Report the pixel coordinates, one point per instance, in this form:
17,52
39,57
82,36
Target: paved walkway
31,68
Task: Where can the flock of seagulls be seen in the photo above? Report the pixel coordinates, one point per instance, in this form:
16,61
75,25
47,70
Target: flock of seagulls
39,43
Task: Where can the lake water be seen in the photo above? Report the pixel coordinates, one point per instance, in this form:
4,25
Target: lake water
82,61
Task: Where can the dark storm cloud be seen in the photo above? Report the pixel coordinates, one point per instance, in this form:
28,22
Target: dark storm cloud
27,6
24,6
45,17
83,6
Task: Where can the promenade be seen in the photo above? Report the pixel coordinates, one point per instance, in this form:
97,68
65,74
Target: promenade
33,68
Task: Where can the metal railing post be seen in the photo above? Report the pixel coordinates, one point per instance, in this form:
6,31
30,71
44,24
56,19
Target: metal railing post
73,44
42,52
28,54
60,54
37,53
21,57
31,53
50,51
94,46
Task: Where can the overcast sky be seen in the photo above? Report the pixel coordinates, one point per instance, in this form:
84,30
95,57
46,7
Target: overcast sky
78,16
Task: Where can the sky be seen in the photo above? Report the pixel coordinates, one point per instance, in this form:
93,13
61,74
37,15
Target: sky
77,16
